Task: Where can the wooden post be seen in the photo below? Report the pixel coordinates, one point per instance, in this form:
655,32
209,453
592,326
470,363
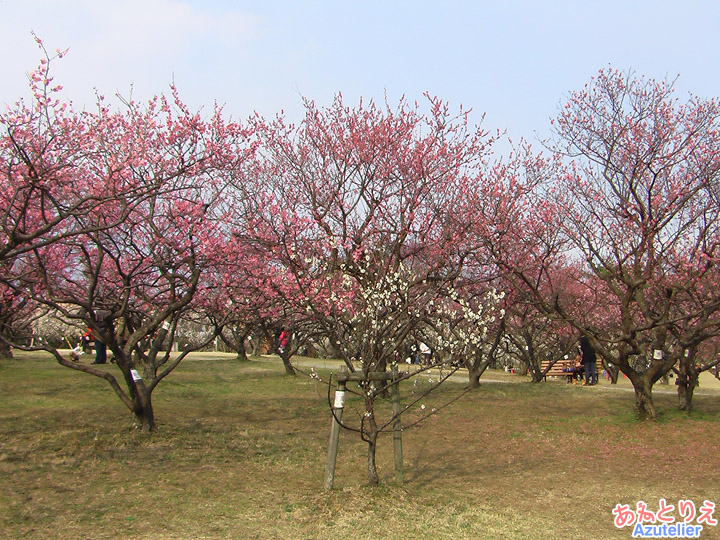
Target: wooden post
343,377
338,407
397,427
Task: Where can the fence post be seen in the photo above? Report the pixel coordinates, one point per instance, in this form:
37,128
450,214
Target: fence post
338,406
397,427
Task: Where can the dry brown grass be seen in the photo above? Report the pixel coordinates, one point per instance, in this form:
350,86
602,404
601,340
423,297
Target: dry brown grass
241,451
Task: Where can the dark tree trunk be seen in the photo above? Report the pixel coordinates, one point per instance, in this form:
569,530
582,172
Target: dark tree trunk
145,416
289,369
142,407
5,350
687,381
236,342
141,396
476,368
373,478
644,405
614,372
241,351
536,374
474,377
370,434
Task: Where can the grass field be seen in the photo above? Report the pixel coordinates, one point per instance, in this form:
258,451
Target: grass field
241,452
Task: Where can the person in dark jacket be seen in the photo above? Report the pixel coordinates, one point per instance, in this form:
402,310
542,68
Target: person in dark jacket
102,319
589,359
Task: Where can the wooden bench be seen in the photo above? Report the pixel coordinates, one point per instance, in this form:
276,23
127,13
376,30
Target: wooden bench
557,369
560,369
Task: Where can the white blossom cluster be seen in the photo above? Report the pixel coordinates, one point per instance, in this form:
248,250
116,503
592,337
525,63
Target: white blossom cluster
448,321
381,297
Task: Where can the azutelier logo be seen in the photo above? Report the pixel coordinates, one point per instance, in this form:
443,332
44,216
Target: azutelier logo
662,523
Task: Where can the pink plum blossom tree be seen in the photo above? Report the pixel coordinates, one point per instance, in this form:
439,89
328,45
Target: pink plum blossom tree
641,219
111,218
364,212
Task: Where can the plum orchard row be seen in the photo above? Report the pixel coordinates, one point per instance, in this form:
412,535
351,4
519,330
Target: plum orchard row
368,229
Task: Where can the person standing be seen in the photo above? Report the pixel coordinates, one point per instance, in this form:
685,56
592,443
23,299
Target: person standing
589,360
102,320
283,341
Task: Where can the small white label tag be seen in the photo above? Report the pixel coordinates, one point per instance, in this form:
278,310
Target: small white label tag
658,354
135,375
339,399
166,325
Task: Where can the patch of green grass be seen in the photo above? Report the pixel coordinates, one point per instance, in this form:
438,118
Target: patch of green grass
241,450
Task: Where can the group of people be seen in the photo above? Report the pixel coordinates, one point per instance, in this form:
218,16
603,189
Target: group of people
102,318
585,364
86,341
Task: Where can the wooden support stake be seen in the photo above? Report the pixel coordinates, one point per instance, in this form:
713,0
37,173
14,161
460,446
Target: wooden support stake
397,427
338,407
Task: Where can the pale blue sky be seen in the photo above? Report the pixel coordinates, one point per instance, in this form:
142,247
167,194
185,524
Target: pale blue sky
513,60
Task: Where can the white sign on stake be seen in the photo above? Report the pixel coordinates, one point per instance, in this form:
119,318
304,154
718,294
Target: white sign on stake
658,354
339,399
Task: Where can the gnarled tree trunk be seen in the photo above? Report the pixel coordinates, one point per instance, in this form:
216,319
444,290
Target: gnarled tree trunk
285,357
474,376
644,405
236,341
687,381
144,414
5,350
